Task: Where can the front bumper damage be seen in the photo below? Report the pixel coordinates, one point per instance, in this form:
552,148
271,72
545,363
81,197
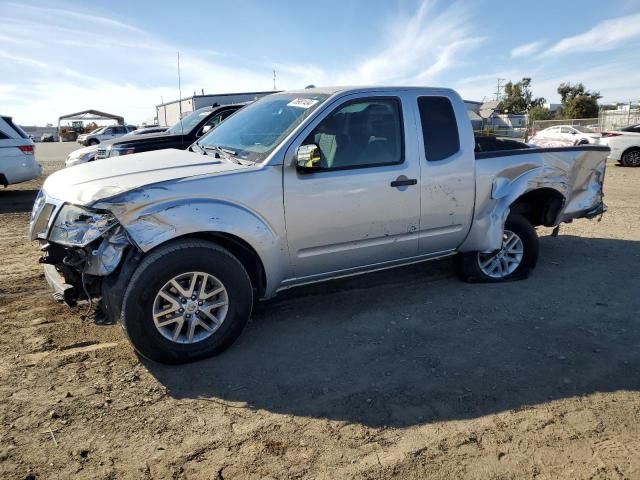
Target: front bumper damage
91,273
63,292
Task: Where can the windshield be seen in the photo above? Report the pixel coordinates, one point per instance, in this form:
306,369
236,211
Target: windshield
99,130
253,132
189,122
583,129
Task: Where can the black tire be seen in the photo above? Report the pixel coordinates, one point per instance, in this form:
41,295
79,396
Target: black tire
468,267
162,265
631,158
93,141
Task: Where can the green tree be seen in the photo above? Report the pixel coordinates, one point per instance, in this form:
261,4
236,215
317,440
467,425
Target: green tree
577,101
540,113
518,98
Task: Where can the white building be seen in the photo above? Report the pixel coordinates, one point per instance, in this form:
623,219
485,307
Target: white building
169,113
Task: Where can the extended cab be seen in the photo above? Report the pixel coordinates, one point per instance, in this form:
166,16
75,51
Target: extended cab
299,187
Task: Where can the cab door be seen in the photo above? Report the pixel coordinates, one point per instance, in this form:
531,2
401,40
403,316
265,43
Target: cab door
447,180
362,206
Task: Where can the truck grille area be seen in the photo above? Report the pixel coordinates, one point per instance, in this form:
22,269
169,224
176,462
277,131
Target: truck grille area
102,153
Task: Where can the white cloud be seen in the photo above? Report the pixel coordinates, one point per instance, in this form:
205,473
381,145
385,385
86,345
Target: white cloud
59,61
420,46
526,49
606,35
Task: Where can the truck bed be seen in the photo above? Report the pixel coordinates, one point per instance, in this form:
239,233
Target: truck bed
573,175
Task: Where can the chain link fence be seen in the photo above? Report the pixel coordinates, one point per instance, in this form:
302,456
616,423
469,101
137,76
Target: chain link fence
607,120
593,123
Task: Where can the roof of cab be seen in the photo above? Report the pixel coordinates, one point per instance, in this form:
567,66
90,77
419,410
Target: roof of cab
360,89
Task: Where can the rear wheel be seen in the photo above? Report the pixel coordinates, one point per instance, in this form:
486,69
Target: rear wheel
514,261
631,158
187,301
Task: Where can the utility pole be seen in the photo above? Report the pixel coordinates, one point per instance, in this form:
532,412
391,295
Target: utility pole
499,88
274,79
180,95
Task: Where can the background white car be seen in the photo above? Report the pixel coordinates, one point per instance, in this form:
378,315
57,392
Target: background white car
88,154
81,155
105,133
565,135
17,154
624,144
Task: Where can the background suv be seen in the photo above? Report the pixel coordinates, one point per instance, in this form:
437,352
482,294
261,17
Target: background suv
17,154
105,133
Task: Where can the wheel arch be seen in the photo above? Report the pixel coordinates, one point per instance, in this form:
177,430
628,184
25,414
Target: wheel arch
243,251
541,206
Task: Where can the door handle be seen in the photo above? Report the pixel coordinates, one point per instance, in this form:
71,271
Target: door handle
403,181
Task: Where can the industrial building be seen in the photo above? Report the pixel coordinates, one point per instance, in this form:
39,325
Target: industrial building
168,113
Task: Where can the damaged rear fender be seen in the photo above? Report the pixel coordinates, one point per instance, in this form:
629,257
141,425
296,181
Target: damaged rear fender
488,225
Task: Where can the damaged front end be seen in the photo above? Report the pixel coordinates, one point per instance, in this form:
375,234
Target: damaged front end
80,247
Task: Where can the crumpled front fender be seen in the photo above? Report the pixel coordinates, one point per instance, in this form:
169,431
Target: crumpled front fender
152,223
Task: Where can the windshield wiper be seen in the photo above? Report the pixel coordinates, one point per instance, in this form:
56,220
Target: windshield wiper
222,152
199,148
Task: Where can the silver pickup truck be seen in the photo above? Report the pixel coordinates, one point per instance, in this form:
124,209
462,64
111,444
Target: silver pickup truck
299,187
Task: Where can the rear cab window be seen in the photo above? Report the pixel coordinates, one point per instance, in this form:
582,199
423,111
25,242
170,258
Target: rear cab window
439,128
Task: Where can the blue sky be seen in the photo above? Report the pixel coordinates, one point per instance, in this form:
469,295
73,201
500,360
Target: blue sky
64,56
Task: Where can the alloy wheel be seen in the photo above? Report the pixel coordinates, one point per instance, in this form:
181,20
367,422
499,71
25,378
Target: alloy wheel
505,261
190,307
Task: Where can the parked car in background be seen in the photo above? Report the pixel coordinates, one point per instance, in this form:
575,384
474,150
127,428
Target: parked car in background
104,133
17,154
47,137
624,145
81,155
88,154
565,135
299,187
147,130
180,136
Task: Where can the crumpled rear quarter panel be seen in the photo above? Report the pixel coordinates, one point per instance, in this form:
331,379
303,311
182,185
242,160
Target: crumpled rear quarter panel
502,177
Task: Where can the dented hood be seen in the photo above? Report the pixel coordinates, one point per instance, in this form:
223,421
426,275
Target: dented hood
87,183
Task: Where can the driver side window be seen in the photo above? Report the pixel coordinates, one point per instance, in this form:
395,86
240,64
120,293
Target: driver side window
361,133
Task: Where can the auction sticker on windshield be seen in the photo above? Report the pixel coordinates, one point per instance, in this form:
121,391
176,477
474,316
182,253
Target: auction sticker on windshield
302,102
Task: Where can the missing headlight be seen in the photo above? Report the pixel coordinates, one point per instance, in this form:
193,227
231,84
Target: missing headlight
77,226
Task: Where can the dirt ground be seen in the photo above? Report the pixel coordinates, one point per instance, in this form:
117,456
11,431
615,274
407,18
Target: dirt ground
405,374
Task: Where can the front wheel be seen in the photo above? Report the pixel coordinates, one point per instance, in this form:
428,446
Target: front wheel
514,261
186,301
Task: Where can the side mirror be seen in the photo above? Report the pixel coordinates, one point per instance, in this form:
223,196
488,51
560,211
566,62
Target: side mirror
573,132
308,157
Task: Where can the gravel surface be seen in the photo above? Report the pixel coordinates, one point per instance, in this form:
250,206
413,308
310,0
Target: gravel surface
407,373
